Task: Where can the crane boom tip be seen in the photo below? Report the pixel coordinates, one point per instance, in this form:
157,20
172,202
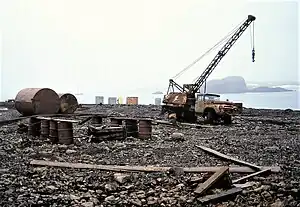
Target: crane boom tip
251,17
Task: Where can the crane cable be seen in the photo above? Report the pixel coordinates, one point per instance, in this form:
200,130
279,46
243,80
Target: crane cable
207,52
252,41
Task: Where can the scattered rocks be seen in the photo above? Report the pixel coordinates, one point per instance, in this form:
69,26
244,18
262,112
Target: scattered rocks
121,178
177,136
252,137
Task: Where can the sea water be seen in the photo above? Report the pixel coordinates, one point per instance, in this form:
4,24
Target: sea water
271,100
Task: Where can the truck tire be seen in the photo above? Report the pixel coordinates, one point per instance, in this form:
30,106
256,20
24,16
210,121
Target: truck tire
209,117
227,120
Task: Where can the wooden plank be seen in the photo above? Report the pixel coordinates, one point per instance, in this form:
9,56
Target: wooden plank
100,167
66,120
221,155
232,169
251,175
203,187
220,196
196,125
137,168
43,118
244,185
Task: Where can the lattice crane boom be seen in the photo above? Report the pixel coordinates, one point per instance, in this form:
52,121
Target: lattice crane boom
213,64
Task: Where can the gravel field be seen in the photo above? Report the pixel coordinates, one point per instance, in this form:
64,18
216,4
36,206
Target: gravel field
262,137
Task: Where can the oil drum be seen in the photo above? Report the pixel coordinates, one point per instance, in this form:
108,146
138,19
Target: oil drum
34,127
145,129
115,122
45,128
131,126
65,132
53,135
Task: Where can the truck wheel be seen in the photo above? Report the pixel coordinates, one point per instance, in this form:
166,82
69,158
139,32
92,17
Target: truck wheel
227,120
209,117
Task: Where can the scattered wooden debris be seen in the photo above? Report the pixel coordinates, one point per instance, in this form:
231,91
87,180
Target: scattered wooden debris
216,153
251,175
139,168
232,169
220,196
217,176
244,185
106,132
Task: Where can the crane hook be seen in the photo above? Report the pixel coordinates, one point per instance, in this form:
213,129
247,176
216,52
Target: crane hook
253,55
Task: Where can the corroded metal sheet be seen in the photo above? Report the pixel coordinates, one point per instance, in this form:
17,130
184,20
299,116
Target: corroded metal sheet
176,98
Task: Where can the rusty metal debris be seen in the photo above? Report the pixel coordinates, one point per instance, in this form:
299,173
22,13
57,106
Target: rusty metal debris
30,101
68,103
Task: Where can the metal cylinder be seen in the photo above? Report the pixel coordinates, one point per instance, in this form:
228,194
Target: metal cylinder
68,103
115,122
96,120
53,135
145,128
34,127
131,126
45,128
65,132
31,101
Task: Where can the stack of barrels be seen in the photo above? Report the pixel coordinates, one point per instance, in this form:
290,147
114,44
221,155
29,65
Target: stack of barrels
138,128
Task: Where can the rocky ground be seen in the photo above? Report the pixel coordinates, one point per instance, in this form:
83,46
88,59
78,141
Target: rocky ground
262,137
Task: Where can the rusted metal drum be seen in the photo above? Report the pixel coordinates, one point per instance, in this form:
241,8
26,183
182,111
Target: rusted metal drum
96,120
68,103
53,134
65,132
34,127
145,128
45,128
131,126
115,122
31,101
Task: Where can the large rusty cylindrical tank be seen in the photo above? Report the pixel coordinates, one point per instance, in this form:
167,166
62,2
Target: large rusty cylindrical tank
68,103
33,101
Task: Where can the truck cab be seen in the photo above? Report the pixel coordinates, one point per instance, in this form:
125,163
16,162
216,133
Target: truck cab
212,109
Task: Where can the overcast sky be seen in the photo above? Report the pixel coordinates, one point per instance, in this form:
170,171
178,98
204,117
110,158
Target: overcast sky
110,47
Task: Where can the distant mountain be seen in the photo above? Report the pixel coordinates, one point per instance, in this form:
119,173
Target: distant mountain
237,84
268,89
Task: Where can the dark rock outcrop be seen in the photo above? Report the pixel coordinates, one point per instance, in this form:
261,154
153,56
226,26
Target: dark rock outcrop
268,89
236,84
